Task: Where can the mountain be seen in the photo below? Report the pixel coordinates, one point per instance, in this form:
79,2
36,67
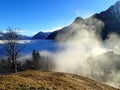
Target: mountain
66,29
1,34
41,80
22,37
110,18
41,35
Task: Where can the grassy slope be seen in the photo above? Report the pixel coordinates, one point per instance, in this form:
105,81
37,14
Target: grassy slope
49,81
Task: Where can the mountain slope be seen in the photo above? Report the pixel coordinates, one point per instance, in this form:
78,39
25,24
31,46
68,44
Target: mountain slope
49,81
22,37
110,18
66,29
41,35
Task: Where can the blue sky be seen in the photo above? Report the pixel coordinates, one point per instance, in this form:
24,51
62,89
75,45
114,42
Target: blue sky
32,16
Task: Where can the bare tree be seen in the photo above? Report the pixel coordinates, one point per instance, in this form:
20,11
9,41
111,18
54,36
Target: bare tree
11,46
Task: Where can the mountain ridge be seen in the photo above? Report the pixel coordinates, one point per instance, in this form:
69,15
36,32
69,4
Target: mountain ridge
40,35
110,18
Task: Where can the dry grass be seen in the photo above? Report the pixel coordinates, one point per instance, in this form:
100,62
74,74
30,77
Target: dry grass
38,80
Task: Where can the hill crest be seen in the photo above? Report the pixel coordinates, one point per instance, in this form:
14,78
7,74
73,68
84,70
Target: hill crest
49,81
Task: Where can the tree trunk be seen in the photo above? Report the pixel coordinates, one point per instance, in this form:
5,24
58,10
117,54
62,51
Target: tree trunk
15,68
14,64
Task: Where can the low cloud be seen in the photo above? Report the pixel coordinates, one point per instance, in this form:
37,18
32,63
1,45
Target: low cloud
86,54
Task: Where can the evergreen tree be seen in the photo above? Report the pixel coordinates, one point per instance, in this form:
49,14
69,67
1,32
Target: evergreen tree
36,59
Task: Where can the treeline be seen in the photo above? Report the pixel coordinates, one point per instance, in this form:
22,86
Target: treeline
36,62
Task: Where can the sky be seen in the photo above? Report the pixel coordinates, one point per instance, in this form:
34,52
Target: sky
33,16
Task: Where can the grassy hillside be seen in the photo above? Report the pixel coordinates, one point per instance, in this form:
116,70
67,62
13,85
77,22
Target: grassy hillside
38,80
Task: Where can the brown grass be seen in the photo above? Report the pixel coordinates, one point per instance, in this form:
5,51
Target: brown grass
39,80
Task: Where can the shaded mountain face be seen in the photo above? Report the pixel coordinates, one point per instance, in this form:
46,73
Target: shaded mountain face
110,18
41,35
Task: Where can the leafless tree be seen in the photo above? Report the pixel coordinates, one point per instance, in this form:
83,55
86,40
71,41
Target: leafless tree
11,46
